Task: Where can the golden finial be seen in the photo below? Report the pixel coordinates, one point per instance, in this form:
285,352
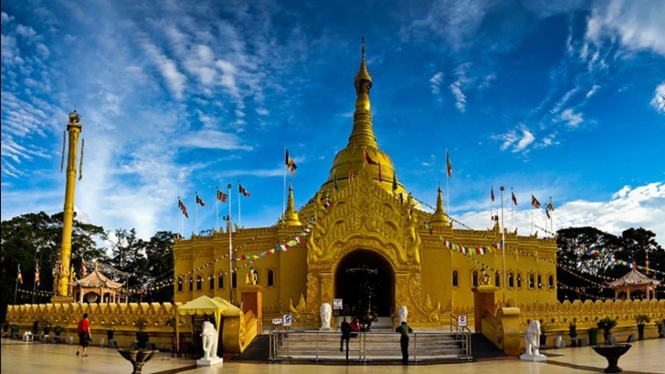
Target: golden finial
439,217
363,48
291,215
74,117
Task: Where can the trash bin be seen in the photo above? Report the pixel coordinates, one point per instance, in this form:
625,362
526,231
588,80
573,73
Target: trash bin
593,336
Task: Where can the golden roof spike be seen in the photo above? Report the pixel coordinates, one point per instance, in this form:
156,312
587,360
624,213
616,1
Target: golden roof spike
362,134
439,217
290,214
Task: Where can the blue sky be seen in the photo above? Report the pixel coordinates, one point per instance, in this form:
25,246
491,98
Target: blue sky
563,99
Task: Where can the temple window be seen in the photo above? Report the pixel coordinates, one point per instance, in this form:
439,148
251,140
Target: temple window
199,283
455,278
234,282
519,280
179,284
191,284
474,278
271,278
220,281
550,281
532,281
212,282
540,281
257,276
511,280
497,279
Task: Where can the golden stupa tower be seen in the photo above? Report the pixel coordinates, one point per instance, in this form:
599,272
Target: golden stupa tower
63,273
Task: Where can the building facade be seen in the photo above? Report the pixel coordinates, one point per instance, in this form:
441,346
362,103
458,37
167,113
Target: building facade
364,239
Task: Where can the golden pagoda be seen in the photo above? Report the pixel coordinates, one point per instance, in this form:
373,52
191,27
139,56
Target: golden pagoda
364,239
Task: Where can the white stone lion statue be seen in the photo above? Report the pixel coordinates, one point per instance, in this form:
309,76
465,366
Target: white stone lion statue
532,339
326,314
403,313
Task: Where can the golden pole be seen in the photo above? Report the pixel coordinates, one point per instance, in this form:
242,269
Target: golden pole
74,129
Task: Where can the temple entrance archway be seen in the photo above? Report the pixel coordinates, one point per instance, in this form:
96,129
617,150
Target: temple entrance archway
365,278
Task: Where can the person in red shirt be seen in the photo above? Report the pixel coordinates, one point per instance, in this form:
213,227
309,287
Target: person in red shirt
85,335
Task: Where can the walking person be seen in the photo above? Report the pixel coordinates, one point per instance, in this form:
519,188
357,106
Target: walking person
403,329
346,335
85,336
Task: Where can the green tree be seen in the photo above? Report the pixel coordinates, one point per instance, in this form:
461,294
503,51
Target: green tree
160,265
128,255
35,238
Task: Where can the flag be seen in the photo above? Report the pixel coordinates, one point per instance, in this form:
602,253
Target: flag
449,166
535,202
20,277
221,196
350,172
335,185
379,172
368,159
183,208
547,212
199,200
550,206
394,182
84,268
514,198
290,163
242,190
37,276
492,193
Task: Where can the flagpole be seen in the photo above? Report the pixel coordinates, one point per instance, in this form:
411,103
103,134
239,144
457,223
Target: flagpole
196,214
34,283
512,218
448,175
284,190
239,217
16,287
216,208
492,204
229,228
503,248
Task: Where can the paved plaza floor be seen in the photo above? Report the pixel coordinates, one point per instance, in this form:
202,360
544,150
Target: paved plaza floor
19,357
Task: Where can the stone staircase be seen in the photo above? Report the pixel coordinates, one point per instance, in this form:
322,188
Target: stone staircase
380,345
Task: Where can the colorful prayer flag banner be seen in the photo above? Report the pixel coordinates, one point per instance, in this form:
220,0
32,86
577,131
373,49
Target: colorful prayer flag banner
19,276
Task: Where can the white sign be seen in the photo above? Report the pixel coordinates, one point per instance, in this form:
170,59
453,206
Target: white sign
337,304
461,321
276,321
287,320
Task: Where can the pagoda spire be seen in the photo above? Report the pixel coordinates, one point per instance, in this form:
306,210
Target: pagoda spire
439,217
362,134
290,214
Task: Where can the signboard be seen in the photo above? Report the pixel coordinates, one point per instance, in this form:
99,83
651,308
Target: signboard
287,320
461,321
276,321
337,304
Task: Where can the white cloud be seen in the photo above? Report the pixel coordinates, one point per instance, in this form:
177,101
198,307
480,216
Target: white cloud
636,24
519,141
174,79
658,101
592,91
435,82
213,139
642,206
570,117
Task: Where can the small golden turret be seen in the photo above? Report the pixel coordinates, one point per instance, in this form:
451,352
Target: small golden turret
290,214
362,134
439,218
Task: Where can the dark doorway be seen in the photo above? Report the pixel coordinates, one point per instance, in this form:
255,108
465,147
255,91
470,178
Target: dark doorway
365,279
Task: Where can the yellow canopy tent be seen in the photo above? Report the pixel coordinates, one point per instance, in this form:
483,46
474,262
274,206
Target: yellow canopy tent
205,305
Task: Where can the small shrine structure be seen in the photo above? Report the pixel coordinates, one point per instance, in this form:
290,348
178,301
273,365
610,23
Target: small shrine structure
635,282
96,287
